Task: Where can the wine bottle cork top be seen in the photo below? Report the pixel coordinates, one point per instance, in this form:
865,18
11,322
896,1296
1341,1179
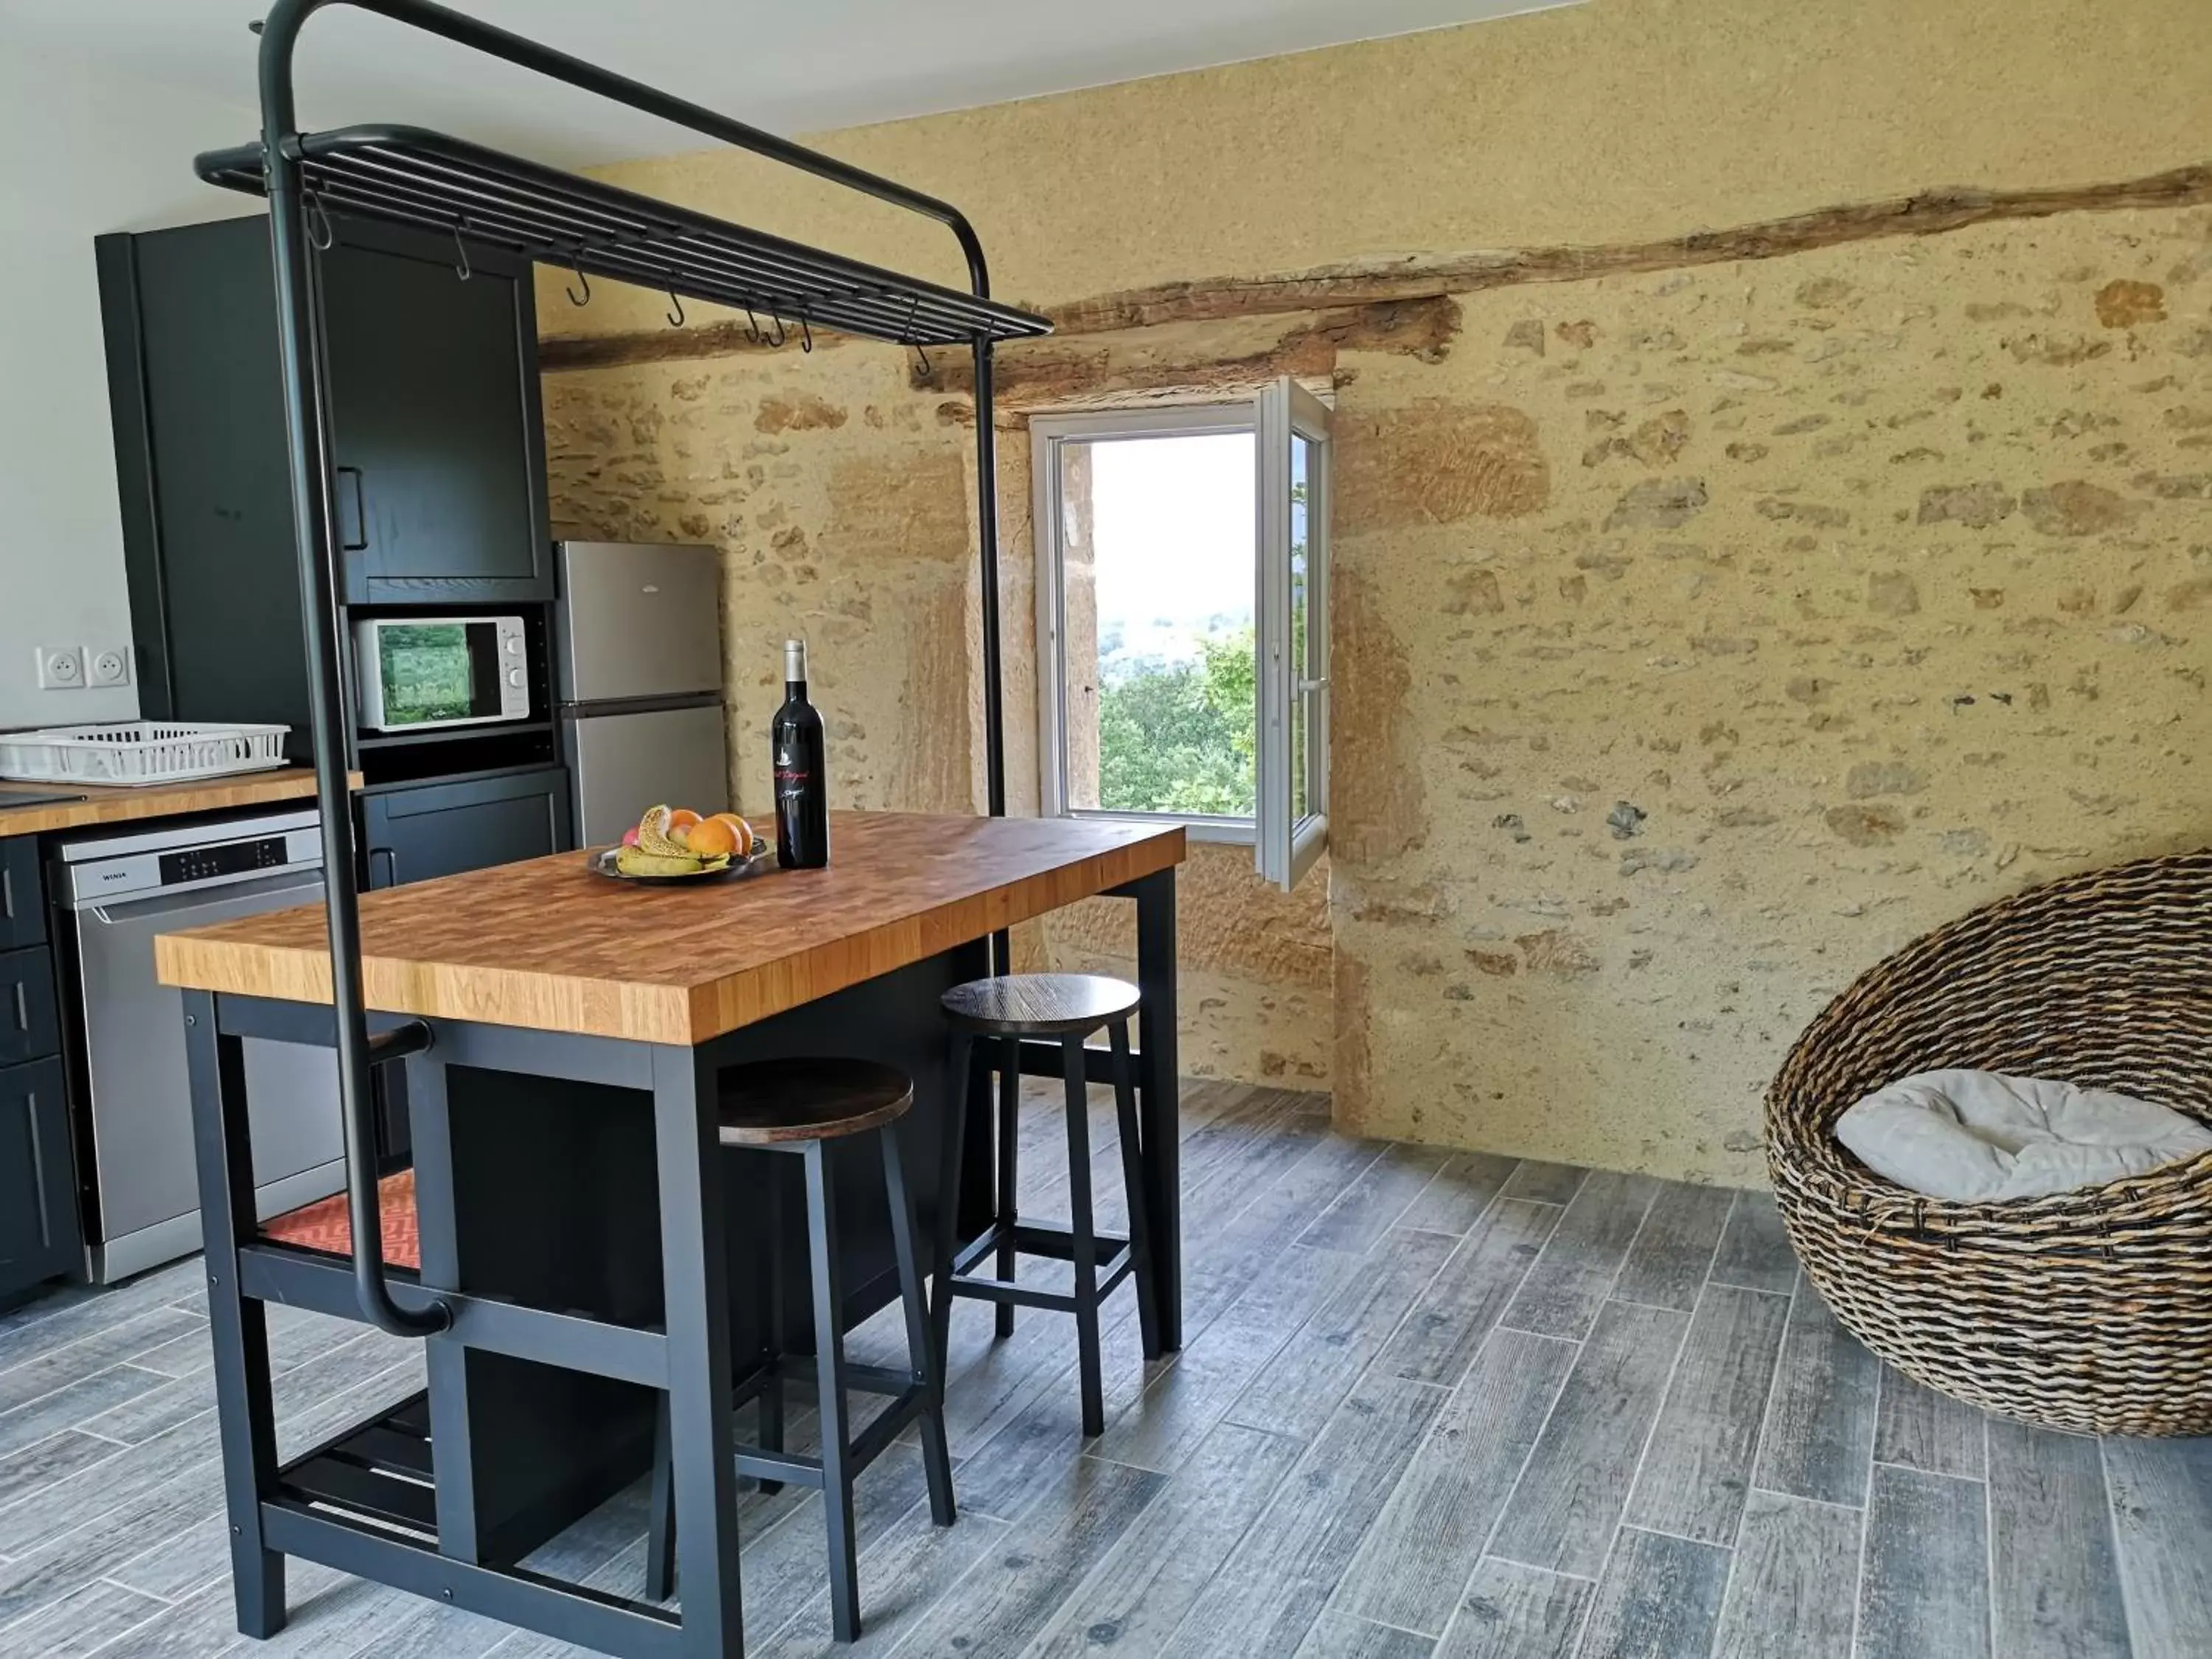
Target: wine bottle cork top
794,659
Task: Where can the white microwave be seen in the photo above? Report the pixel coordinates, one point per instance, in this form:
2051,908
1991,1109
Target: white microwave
414,673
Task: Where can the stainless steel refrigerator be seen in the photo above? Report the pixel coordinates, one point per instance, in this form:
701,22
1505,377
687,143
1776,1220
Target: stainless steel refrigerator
639,681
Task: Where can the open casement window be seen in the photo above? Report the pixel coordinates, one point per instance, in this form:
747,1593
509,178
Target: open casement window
1183,619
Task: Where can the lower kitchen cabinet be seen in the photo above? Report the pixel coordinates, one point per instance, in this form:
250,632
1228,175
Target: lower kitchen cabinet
39,1237
420,831
22,904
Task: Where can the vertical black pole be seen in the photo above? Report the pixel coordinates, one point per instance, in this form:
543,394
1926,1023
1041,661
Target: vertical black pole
987,518
827,1280
1159,1094
307,425
695,1274
245,1414
437,1208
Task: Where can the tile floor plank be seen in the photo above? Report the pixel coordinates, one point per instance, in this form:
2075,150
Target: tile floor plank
1568,1503
1668,1260
1338,1636
2055,1586
1371,1204
1660,1598
1547,1183
1273,1587
1754,1250
1011,1593
1466,1186
1819,1441
1920,1429
2162,1514
1926,1586
83,1621
1414,1563
1295,1392
1698,1466
1516,1612
44,1462
1141,1591
1574,1272
1795,1585
1442,1335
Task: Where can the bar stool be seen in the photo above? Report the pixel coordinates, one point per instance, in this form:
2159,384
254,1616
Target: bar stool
1070,1007
802,1107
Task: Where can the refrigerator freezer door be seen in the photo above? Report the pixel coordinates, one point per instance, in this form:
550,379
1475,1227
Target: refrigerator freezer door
623,764
639,620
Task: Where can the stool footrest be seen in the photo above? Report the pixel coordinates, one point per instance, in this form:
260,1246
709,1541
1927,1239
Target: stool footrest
756,1379
1047,1242
1111,1272
868,1445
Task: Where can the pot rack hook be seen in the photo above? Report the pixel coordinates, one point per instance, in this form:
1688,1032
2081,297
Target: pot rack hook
753,328
576,265
463,269
921,355
676,316
317,214
806,334
781,333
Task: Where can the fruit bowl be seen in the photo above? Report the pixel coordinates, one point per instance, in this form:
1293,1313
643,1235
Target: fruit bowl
758,862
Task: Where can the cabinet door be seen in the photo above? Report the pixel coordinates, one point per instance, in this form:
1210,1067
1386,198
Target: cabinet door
435,443
39,1237
426,831
22,911
30,1026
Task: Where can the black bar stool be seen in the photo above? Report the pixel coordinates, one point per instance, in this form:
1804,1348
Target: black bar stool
801,1107
1006,1011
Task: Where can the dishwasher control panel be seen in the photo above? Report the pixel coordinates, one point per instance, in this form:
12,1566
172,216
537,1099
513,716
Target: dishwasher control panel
228,859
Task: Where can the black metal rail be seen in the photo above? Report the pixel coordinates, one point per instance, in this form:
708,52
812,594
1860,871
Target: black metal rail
415,177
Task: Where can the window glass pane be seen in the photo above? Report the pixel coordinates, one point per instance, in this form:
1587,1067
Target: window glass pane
1301,663
1157,570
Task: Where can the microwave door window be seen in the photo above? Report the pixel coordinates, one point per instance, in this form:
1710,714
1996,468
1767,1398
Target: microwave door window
430,673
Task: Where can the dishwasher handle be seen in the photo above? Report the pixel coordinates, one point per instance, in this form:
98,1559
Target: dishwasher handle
305,879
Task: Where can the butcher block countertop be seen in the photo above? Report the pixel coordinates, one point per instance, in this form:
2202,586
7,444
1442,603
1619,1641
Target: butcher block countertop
158,800
551,946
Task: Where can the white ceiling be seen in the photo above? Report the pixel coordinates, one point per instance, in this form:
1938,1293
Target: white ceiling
805,66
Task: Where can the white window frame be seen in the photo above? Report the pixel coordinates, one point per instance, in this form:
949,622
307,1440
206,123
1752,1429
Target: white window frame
1282,850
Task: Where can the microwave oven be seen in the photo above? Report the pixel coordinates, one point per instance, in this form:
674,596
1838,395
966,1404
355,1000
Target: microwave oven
415,673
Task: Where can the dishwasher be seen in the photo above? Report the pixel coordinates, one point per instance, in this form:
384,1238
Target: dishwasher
131,1108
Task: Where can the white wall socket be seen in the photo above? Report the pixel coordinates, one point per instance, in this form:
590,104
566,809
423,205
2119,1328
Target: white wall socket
61,668
107,665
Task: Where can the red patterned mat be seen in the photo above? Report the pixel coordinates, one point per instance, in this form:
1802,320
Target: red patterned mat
325,1225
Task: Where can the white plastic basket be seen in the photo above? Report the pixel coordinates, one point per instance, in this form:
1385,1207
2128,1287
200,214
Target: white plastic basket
139,752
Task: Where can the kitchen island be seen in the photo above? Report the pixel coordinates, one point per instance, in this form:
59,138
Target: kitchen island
590,1243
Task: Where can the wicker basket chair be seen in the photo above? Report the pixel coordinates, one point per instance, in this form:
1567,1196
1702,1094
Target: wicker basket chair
2090,1310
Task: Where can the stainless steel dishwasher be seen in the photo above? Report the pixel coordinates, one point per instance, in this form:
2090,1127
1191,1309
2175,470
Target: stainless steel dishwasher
132,1111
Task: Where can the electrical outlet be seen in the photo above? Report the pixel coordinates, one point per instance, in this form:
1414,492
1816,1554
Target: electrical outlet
107,665
61,668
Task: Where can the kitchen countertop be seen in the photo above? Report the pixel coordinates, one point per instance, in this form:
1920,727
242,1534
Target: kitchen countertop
159,801
550,945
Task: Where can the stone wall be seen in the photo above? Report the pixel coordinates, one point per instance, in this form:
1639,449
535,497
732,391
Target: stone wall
1702,636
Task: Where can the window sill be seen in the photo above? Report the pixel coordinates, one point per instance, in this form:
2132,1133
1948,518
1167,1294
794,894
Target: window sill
1229,832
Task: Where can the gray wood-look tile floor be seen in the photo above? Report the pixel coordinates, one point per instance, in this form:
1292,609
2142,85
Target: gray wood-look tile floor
1430,1404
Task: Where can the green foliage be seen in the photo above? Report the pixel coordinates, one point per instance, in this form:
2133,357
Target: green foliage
1180,738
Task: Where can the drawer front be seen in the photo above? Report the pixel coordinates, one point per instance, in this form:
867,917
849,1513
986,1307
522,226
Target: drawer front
22,909
30,1026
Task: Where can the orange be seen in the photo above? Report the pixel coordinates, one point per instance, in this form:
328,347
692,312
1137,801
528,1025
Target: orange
740,829
712,838
682,818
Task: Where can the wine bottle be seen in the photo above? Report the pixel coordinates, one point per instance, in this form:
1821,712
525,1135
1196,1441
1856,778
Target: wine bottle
802,797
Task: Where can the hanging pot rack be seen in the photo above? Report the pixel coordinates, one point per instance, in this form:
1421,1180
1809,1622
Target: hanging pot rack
412,176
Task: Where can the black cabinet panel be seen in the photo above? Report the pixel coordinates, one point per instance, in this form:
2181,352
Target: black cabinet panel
37,1205
429,405
30,1025
435,829
23,910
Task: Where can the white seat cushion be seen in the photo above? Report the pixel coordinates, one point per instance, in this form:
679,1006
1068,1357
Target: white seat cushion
1982,1137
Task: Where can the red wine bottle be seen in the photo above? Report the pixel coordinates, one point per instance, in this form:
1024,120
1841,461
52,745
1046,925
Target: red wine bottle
802,795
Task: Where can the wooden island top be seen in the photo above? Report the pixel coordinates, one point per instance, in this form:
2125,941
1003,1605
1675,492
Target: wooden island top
552,946
106,804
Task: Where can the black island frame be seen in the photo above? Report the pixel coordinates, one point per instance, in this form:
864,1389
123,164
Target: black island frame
658,1307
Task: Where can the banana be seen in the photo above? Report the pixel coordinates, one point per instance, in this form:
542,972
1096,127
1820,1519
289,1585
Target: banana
653,837
636,861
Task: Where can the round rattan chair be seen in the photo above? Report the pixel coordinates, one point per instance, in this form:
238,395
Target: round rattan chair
2088,1310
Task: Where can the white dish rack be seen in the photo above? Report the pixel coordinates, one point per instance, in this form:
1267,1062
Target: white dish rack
135,752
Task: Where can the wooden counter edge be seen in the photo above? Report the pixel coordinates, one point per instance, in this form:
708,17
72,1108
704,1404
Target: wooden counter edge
106,804
657,1013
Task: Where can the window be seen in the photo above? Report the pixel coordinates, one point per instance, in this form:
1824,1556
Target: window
1182,606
